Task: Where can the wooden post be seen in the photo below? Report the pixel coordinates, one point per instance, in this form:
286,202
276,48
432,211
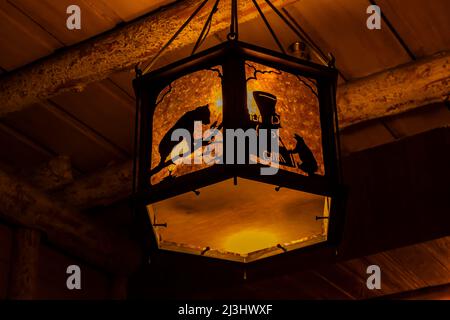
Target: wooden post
119,288
24,264
102,245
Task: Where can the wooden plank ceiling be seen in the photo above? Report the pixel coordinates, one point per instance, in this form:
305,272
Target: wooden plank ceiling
424,265
94,127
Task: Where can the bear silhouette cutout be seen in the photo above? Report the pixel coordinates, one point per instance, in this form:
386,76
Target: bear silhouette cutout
186,122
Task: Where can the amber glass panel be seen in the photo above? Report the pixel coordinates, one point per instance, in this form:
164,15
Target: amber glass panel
178,107
297,112
242,222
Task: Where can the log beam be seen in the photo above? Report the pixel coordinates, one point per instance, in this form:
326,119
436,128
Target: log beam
396,90
100,189
93,242
53,174
120,49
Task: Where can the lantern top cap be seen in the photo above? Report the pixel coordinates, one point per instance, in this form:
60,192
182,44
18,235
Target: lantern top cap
232,50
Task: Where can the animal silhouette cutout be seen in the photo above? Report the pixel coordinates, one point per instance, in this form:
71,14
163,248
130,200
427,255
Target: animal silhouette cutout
266,103
186,122
270,119
309,163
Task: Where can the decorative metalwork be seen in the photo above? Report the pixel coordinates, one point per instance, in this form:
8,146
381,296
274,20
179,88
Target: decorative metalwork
226,208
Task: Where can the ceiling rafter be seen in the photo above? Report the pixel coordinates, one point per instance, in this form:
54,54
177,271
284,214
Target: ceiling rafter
395,33
96,59
88,131
23,204
27,140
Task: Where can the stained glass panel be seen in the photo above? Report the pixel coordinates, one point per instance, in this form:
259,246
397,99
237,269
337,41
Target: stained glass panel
194,97
278,99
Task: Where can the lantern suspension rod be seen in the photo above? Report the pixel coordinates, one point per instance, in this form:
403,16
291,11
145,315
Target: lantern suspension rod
314,46
136,141
337,135
168,43
269,27
319,54
206,28
304,37
234,25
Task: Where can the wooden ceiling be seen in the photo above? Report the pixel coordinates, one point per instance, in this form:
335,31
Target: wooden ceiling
94,127
99,119
33,29
403,269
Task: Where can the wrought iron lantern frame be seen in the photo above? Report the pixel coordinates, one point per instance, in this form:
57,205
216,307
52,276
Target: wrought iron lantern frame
231,56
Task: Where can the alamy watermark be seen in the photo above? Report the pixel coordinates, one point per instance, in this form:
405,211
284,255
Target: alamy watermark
374,20
263,147
374,280
73,281
73,21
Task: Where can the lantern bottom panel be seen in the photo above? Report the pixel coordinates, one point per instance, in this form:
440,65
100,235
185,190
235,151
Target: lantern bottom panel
243,222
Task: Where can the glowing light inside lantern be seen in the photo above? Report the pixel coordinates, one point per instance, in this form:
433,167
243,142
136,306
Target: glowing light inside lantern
248,241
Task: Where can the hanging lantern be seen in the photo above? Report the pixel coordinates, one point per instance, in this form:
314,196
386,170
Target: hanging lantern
238,158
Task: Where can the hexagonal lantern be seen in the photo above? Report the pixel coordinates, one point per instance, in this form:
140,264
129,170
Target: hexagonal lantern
241,110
